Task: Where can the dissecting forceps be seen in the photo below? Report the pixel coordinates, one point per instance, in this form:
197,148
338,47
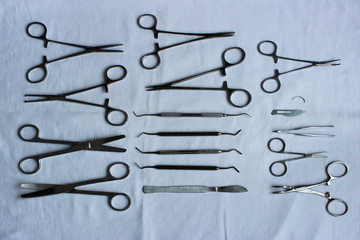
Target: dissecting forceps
193,189
291,131
42,37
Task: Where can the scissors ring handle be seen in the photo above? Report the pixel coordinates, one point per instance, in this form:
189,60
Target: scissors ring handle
278,174
230,92
109,111
114,176
336,200
41,36
33,137
152,24
346,169
275,79
33,169
111,200
154,58
228,63
273,51
40,69
110,79
282,149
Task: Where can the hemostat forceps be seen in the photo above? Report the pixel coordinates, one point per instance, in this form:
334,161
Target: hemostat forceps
155,54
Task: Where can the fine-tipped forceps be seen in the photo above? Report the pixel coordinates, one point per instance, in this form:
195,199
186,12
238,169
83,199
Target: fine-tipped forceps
190,151
308,189
92,145
188,167
275,57
42,37
222,69
52,189
189,134
291,131
155,54
181,114
282,151
108,110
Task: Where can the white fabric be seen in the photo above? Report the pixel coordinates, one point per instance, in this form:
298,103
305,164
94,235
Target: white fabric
315,30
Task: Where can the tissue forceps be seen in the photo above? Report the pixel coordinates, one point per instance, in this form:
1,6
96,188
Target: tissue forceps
283,162
190,151
188,167
275,57
307,189
155,54
291,131
52,189
108,110
189,134
181,114
42,37
92,145
222,70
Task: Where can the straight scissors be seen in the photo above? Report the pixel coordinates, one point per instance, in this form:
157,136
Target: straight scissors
92,145
108,110
52,189
275,57
155,54
283,162
222,70
307,189
42,36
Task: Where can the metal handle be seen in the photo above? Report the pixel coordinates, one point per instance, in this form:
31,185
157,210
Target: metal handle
175,189
271,53
41,36
281,173
110,110
275,79
40,69
336,200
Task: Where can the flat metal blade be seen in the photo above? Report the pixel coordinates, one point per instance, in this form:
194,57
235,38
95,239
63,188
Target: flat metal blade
232,188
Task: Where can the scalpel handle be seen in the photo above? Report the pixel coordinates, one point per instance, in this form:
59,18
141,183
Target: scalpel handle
175,189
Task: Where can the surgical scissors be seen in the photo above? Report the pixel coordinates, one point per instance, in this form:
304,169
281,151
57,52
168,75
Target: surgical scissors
275,57
92,145
42,37
51,189
108,110
222,70
283,162
155,54
307,189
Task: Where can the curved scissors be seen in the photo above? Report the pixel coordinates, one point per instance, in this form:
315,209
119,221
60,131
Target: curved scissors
275,57
222,69
51,189
108,110
92,145
155,54
283,162
42,66
307,189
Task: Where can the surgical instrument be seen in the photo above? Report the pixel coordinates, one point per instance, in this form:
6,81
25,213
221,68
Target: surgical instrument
151,25
188,167
308,189
51,189
108,110
42,37
288,112
291,131
298,97
181,114
282,151
275,57
193,189
190,151
189,134
222,70
92,145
